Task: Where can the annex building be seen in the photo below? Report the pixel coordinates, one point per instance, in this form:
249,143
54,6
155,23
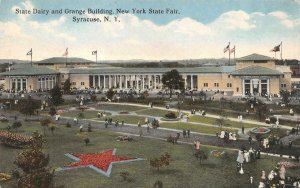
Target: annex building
253,74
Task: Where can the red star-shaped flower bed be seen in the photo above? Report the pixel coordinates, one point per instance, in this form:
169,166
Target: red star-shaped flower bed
101,162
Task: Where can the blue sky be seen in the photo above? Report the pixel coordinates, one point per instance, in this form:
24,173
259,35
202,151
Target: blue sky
201,30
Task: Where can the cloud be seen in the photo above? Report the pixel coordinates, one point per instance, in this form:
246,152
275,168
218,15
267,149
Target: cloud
297,1
234,20
285,19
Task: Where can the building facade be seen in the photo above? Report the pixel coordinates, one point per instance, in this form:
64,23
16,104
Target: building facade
252,75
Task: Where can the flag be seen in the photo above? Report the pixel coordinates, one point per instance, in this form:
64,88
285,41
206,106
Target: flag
232,50
276,48
227,48
30,52
66,53
94,52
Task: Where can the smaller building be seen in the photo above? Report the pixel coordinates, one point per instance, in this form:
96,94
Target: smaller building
28,78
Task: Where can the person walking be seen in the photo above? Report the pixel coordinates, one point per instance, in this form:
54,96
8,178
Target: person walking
243,129
184,133
188,133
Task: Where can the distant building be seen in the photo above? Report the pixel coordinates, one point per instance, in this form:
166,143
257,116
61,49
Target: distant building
252,75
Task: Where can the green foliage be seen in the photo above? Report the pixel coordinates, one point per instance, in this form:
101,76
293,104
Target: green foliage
45,123
81,115
172,80
16,125
110,94
201,155
171,115
52,111
87,141
158,184
56,96
34,164
67,86
285,96
29,106
155,124
157,163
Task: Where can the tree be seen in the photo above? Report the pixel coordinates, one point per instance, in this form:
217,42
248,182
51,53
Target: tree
56,96
67,86
285,96
52,111
201,155
33,163
45,123
164,160
16,125
172,80
262,110
110,94
29,106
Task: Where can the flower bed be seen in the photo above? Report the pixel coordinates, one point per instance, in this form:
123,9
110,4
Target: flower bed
260,133
287,164
14,140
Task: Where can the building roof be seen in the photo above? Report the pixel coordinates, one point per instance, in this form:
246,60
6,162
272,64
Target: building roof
28,70
255,57
62,60
118,70
256,71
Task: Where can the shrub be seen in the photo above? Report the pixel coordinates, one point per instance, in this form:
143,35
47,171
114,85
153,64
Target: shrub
171,115
16,125
201,155
52,111
68,125
87,141
157,163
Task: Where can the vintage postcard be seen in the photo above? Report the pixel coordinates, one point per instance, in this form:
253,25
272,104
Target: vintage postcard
149,93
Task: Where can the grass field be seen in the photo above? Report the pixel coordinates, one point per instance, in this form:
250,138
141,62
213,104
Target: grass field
88,114
131,119
227,123
119,108
154,112
195,128
184,170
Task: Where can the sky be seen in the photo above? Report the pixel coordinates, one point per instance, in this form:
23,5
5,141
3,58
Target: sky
201,29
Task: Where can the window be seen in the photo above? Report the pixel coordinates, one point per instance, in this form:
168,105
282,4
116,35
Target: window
216,84
228,76
73,83
82,83
229,85
282,76
205,84
283,85
62,76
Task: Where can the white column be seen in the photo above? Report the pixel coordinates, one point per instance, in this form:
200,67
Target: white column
26,84
268,86
143,82
192,82
104,84
149,76
243,87
115,81
154,81
21,84
109,81
251,87
185,83
259,87
126,85
99,78
94,79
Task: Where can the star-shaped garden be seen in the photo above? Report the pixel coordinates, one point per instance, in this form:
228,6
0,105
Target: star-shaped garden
100,162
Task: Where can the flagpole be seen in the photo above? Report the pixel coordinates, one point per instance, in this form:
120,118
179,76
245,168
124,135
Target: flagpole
281,50
229,52
234,55
96,56
31,57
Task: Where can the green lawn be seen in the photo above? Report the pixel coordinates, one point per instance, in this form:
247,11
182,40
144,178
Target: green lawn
88,114
119,108
183,171
228,123
154,112
131,119
194,128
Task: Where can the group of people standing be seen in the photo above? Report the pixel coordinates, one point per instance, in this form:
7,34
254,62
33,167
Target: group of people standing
246,156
